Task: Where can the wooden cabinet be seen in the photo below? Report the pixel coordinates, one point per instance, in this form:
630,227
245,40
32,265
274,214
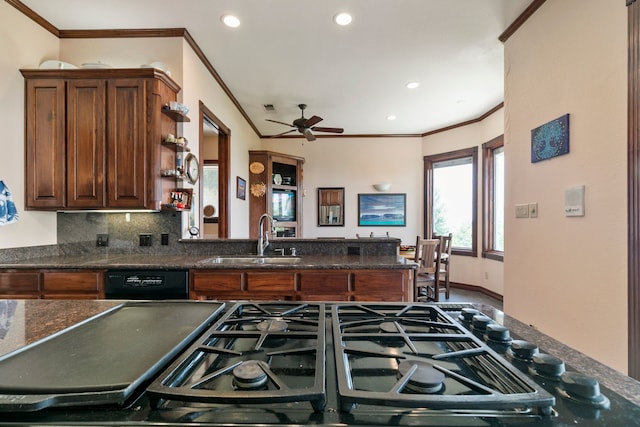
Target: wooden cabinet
325,285
385,285
19,284
301,285
59,284
86,139
280,176
93,138
73,284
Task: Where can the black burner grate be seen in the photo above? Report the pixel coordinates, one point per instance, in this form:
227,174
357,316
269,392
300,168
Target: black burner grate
256,353
383,350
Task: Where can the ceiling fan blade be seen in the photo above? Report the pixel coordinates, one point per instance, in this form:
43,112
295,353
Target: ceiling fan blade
309,135
282,123
332,130
283,133
312,121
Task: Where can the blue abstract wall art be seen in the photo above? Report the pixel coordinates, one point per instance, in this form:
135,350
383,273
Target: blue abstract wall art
550,140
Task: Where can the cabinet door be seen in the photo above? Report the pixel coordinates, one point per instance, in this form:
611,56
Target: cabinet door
20,284
381,285
324,286
86,143
126,133
45,144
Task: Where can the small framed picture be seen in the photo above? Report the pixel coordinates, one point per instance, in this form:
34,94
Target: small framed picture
241,189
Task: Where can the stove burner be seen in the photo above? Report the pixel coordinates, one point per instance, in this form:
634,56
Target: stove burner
249,375
425,378
582,389
388,327
272,325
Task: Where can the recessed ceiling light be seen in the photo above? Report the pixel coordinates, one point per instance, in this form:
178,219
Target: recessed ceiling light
342,18
230,21
412,85
391,117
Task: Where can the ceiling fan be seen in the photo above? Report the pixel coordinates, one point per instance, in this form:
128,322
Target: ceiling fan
305,126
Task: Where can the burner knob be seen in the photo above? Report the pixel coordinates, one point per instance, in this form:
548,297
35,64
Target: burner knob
523,349
467,314
480,322
498,333
583,389
547,366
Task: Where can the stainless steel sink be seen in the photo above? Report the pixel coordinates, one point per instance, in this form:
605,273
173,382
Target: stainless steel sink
251,260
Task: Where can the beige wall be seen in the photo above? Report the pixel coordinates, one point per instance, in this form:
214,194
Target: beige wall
475,271
356,164
23,44
567,276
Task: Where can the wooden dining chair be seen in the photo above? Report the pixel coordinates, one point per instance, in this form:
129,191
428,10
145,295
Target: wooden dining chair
445,262
427,277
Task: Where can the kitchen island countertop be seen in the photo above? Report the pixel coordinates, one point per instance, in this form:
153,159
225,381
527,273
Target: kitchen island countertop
143,261
26,321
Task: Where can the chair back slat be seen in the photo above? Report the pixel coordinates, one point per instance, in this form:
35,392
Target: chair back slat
428,255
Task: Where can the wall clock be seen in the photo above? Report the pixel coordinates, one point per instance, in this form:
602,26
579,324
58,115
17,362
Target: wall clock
192,168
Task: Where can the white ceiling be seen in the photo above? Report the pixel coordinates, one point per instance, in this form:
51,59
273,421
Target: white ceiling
288,52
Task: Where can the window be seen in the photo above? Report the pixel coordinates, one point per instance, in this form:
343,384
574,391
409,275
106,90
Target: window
451,198
493,199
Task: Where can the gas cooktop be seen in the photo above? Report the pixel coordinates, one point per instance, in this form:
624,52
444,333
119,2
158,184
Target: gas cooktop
293,363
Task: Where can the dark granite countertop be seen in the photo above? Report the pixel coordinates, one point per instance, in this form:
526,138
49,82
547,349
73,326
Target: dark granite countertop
175,262
26,321
613,379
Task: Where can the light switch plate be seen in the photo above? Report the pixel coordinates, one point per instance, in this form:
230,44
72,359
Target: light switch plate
533,210
522,211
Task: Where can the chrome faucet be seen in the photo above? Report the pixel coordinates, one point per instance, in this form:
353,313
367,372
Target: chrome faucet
263,236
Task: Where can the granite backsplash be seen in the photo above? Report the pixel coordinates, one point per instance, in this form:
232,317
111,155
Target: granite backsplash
77,235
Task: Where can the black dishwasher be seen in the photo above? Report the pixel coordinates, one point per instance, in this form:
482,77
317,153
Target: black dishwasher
146,284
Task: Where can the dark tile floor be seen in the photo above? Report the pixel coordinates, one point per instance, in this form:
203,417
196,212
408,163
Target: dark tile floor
462,295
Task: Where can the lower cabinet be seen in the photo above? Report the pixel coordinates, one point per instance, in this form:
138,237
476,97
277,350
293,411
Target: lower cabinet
300,285
59,284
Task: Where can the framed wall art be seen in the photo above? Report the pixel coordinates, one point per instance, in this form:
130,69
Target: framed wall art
550,140
384,210
241,188
331,206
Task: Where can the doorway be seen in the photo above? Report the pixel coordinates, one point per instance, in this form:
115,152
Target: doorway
214,133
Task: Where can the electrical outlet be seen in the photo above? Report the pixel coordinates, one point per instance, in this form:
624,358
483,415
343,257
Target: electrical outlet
164,239
102,240
522,211
145,239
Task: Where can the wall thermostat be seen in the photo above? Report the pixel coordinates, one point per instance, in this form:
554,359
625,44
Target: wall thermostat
574,201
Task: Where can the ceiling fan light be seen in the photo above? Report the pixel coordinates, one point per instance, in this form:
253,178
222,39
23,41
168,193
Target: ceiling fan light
230,21
342,18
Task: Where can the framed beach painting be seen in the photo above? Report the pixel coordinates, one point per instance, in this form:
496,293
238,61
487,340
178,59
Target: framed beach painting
383,210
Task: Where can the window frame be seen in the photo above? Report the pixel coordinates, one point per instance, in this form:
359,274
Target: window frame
429,161
488,191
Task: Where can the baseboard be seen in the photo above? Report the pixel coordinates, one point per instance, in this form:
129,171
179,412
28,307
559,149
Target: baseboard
474,288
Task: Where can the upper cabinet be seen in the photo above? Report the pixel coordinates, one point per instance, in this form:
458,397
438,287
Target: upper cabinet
93,138
275,187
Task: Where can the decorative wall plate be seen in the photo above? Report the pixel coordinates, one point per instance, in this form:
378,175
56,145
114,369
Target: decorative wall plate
258,189
256,167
